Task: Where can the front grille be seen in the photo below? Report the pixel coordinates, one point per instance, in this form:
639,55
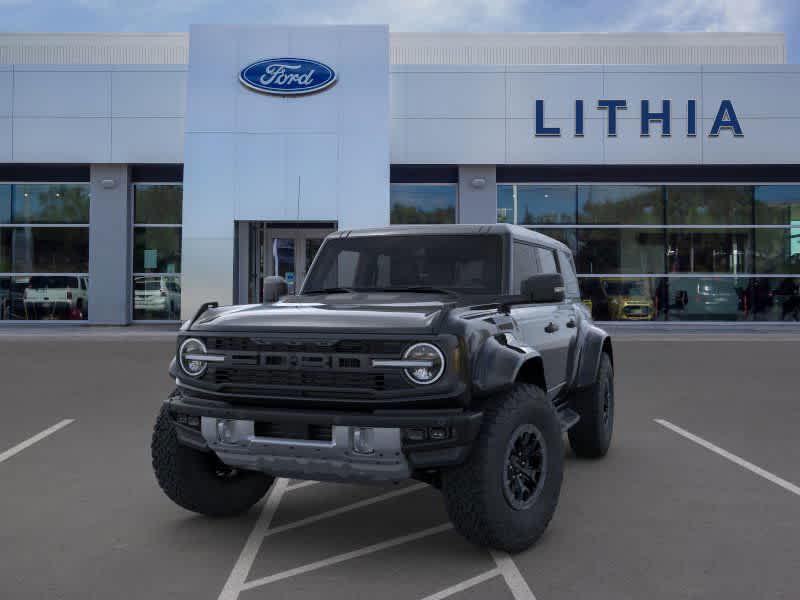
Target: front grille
304,368
635,310
322,379
256,344
294,431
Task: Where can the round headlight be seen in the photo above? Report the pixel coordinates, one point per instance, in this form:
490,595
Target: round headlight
189,357
431,363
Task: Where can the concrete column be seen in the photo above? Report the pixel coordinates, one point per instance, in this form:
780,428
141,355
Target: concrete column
477,203
109,245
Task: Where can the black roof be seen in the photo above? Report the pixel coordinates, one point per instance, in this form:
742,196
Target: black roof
516,231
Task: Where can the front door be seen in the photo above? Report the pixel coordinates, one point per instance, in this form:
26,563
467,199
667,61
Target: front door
284,251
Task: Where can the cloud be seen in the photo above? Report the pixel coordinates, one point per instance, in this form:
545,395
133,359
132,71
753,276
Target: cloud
414,15
705,15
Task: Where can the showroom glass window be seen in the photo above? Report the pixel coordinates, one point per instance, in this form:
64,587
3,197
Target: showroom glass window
423,203
44,251
676,251
156,285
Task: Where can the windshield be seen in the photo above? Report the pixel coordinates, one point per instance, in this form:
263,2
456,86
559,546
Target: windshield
465,264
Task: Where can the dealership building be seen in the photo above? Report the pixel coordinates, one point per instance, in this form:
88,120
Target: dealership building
144,174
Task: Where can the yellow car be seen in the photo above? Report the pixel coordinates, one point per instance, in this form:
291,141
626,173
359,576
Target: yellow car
628,299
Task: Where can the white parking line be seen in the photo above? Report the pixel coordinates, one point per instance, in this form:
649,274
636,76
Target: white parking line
344,509
514,579
333,560
788,486
302,484
241,569
32,440
464,585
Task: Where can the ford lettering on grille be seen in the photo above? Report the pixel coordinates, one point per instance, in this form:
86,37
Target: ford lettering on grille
287,76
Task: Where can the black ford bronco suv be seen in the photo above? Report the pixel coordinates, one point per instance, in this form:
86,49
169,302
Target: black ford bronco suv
456,354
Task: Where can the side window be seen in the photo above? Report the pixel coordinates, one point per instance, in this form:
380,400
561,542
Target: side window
570,279
547,258
525,264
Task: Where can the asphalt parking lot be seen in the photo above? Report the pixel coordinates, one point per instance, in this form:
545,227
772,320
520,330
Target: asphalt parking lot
698,497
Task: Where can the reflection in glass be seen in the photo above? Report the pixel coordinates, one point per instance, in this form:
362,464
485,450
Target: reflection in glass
777,205
156,297
620,251
158,204
5,298
5,203
708,299
423,203
157,249
44,297
539,204
778,250
775,299
567,237
709,205
710,251
38,203
505,204
624,298
620,204
44,249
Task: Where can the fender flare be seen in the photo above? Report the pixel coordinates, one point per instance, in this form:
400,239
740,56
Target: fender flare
594,343
502,360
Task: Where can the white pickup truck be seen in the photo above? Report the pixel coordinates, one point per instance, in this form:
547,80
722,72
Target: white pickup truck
56,297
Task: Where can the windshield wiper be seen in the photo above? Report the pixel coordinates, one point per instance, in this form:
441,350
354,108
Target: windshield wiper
419,289
330,290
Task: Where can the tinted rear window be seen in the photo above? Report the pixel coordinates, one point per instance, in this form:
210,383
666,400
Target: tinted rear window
38,281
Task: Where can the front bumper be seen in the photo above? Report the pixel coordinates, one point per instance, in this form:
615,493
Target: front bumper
394,458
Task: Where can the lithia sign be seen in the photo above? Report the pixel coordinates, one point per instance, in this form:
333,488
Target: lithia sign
726,119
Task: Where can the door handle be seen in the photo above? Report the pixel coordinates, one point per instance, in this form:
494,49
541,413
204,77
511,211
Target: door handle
551,327
571,323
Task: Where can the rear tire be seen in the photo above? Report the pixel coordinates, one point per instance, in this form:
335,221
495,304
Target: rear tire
506,492
199,481
591,436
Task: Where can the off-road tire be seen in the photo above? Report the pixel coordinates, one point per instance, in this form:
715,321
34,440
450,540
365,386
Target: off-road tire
591,436
473,492
191,478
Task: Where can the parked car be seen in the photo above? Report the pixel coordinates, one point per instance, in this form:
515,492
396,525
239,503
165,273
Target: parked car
56,297
705,299
628,299
456,355
156,296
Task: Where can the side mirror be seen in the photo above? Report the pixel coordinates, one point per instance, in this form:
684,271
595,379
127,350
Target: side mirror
544,287
274,288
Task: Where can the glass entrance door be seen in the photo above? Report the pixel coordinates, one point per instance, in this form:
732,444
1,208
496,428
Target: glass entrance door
283,251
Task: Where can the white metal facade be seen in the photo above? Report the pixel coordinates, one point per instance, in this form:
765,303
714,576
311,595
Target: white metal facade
112,100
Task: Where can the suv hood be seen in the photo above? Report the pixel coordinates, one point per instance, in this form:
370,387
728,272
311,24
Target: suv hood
342,313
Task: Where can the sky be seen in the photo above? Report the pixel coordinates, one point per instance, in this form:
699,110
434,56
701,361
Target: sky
413,15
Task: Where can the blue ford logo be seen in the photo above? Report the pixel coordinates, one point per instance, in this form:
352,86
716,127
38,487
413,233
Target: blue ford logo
287,76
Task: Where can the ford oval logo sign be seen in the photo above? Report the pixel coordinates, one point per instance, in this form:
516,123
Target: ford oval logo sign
287,76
